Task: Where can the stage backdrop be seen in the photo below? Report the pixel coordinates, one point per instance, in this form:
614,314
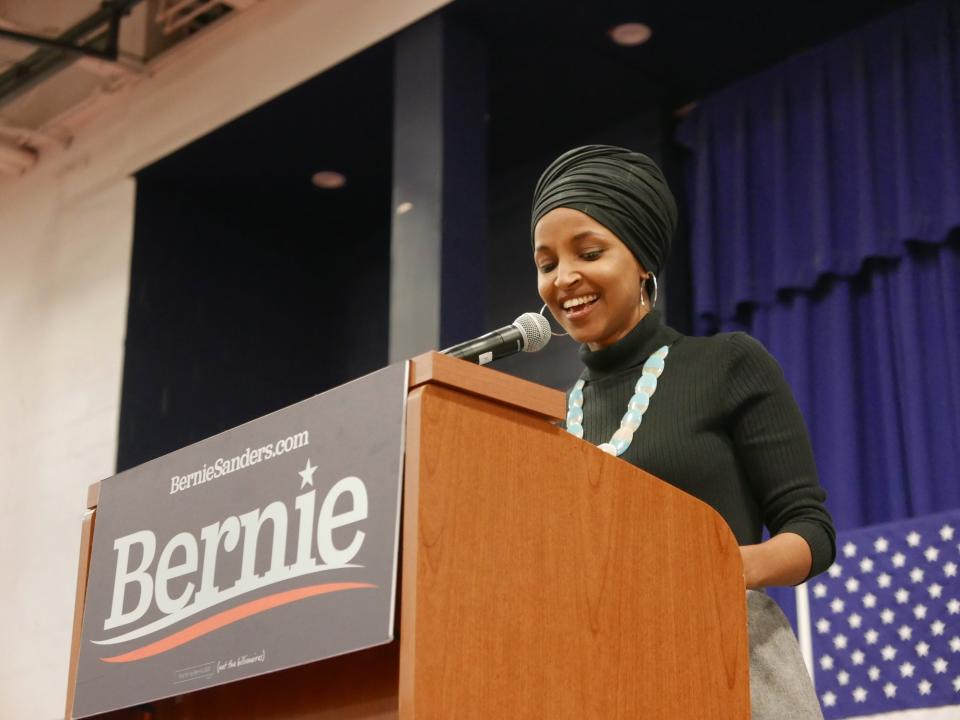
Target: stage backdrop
825,203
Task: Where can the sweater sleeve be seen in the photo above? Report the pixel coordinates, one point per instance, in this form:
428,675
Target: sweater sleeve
773,447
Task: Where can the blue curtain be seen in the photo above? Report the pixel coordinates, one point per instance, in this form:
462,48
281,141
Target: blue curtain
825,202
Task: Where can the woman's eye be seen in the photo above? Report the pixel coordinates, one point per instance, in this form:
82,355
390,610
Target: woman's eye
592,254
546,267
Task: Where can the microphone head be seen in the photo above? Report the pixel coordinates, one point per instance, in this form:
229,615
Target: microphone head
535,329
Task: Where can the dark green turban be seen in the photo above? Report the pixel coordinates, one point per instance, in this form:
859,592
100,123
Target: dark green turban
622,190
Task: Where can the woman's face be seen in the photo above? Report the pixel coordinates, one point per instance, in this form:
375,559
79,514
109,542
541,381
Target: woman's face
588,278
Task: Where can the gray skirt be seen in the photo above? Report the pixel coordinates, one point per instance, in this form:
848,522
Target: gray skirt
780,686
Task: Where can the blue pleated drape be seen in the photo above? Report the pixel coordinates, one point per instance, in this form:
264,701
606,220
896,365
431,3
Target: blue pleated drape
825,207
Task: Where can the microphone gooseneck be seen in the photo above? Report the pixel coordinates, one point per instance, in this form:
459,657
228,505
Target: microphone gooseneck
528,333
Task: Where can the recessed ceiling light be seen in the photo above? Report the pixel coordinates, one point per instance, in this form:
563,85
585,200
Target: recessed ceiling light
629,34
329,180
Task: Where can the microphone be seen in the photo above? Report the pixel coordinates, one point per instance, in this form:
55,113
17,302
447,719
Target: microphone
529,332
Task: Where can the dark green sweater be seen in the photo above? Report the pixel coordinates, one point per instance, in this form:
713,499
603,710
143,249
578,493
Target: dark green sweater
722,425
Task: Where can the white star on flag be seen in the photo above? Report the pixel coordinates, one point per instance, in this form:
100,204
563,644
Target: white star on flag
902,596
922,649
859,695
881,545
955,644
852,585
869,600
874,673
935,590
931,554
871,636
937,627
950,569
940,666
837,605
854,621
849,550
920,611
843,677
913,539
883,580
924,687
890,690
946,533
835,571
823,626
906,669
819,590
916,575
905,632
889,652
953,607
898,560
866,565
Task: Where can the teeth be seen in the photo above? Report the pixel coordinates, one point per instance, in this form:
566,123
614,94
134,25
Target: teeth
573,302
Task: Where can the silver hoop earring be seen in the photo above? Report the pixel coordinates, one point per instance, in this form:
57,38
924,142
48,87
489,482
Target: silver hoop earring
653,301
555,334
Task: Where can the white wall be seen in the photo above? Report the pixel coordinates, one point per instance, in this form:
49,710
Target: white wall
65,240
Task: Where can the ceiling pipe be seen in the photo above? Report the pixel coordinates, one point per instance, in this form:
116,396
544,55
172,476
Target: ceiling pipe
96,34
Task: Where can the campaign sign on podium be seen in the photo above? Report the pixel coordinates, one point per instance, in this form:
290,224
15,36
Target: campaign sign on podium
270,545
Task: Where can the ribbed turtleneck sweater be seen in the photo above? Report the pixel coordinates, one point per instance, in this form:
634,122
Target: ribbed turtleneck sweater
722,426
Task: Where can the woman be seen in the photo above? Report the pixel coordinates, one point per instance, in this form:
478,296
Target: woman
712,416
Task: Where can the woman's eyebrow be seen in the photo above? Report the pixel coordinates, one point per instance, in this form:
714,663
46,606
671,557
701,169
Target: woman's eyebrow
586,235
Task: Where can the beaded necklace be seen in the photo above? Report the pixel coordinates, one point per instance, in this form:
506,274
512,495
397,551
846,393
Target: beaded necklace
646,386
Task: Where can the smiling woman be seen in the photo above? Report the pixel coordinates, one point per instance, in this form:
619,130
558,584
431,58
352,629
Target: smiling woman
723,425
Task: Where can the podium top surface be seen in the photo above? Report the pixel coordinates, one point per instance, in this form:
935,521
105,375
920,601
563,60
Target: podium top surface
433,367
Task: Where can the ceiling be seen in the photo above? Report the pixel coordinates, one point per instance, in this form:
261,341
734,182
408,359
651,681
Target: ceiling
42,111
553,74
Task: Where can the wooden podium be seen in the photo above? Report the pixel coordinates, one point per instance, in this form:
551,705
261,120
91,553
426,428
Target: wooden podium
541,578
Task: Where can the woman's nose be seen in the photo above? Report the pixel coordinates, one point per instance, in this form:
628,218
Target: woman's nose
566,277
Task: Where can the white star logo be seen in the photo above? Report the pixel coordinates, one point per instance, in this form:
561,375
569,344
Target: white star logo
855,621
866,565
829,699
946,533
940,666
890,690
849,550
906,670
902,596
823,626
898,560
937,628
843,677
931,554
950,569
916,575
913,539
924,687
905,632
888,652
922,649
881,544
857,657
874,673
819,590
835,570
859,695
306,475
884,580
871,636
953,607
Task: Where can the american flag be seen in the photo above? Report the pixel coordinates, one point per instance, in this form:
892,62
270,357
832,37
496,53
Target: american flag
883,630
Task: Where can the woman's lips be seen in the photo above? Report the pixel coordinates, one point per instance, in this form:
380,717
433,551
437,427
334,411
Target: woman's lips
579,312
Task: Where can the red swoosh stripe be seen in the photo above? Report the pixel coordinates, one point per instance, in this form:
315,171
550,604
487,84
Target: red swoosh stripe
222,619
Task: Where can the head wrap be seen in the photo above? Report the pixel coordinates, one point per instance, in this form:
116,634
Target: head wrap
622,190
